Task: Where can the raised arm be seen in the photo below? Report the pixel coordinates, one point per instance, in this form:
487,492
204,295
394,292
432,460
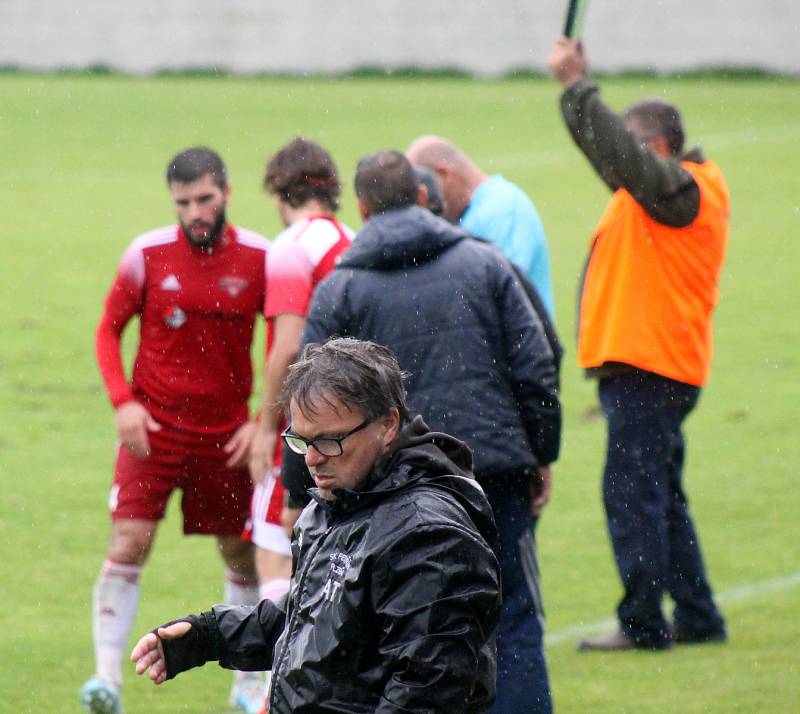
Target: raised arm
661,186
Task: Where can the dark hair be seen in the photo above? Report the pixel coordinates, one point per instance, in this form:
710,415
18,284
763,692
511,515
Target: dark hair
194,163
428,178
301,171
360,374
386,180
657,117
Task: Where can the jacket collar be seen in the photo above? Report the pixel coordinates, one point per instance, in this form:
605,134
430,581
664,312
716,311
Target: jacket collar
401,237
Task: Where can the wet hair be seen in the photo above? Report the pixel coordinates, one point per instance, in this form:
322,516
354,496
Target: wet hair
301,171
657,117
428,178
386,180
194,163
362,375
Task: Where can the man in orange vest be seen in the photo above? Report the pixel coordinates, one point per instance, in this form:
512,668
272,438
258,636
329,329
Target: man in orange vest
649,287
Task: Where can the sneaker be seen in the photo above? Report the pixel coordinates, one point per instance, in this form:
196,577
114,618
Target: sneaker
100,697
247,693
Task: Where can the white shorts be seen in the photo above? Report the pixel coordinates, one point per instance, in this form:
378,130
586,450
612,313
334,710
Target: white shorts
265,516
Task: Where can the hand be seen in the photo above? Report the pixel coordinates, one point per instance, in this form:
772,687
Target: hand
133,423
567,61
149,653
261,452
541,484
289,517
239,445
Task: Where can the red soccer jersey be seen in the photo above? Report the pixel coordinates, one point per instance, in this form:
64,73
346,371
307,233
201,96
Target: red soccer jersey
197,310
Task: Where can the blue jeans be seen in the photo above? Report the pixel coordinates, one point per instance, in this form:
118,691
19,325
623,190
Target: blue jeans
522,681
654,540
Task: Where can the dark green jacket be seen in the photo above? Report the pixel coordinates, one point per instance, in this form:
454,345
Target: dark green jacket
661,187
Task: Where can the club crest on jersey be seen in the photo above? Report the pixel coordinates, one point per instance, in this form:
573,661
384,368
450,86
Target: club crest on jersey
174,317
170,283
232,285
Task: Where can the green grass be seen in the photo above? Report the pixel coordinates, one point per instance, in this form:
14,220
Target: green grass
81,175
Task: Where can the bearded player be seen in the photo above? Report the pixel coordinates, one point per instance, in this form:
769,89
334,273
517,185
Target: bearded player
183,418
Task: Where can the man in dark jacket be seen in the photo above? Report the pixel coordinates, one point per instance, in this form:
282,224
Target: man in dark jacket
452,310
395,591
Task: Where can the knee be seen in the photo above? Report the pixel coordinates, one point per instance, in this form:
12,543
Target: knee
238,556
131,542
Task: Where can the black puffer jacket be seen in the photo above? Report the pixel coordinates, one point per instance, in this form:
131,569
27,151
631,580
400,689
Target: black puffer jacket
451,309
394,598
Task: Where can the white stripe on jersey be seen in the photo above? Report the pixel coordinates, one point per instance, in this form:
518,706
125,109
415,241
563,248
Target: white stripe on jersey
251,239
314,236
131,265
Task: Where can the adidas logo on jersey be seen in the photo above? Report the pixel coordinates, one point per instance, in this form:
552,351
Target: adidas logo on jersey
170,283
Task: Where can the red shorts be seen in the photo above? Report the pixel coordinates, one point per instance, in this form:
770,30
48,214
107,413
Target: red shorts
215,498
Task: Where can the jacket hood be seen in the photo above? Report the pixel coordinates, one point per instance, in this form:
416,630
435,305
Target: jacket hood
399,238
420,455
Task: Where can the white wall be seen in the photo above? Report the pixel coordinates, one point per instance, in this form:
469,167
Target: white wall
480,36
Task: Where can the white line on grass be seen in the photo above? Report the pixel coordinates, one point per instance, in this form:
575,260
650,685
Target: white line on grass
741,592
715,140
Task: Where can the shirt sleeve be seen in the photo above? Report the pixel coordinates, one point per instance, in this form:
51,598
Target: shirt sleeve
289,280
123,301
662,187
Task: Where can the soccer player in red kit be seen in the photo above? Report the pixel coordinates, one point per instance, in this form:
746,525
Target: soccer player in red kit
303,179
183,419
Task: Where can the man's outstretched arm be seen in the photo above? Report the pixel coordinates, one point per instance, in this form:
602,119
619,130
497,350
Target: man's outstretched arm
237,637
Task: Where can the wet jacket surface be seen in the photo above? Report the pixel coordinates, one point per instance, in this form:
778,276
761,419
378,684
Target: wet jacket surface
452,310
394,598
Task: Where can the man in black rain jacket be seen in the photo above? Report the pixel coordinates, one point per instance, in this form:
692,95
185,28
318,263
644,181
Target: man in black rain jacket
481,368
395,590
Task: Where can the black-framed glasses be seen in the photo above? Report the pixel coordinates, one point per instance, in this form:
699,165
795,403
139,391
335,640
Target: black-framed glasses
327,445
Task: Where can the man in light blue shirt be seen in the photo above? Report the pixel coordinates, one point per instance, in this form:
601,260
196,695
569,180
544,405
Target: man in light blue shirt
490,207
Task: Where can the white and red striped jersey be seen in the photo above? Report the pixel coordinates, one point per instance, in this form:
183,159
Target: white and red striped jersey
197,308
300,257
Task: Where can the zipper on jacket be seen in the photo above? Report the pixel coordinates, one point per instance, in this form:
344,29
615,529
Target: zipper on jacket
293,621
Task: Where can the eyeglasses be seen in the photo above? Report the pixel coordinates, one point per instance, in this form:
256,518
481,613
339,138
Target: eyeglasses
326,446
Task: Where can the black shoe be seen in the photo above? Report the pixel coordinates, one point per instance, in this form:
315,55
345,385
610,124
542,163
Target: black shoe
618,641
687,637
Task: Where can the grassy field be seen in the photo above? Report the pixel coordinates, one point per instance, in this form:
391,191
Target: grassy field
81,175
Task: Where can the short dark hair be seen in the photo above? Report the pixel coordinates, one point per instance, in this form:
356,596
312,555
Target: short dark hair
301,171
658,117
428,178
360,374
386,180
194,163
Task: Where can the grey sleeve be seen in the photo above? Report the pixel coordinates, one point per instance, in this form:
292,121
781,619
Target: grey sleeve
662,187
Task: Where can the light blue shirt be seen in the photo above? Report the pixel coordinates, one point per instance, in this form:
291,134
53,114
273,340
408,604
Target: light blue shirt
501,212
